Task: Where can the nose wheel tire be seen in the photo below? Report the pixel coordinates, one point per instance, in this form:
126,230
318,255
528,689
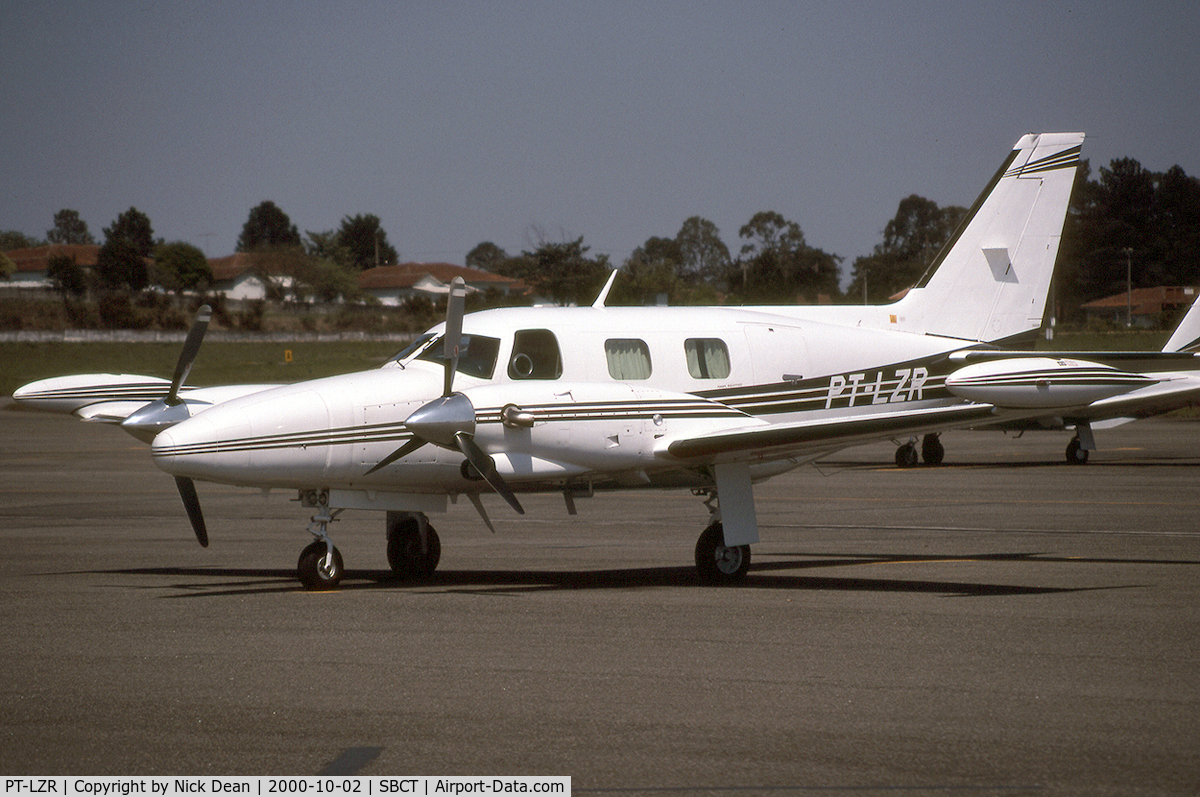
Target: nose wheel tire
317,570
718,563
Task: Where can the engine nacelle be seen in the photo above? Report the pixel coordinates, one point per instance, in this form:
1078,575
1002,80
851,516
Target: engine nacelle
552,430
1042,382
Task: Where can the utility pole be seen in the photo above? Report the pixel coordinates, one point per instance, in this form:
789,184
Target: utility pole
1128,287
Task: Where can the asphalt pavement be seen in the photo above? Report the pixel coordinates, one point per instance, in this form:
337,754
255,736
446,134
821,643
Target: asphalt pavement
1003,624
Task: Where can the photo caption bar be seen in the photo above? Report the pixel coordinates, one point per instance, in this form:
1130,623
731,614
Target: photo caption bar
264,786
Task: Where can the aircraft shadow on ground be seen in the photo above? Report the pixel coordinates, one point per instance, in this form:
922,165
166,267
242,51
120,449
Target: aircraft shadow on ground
773,571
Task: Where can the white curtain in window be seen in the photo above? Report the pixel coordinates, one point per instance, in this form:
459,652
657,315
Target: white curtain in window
707,358
627,359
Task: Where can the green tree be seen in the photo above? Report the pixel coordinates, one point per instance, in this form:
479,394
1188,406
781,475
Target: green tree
649,273
267,227
366,241
7,267
560,271
326,246
67,276
69,229
180,267
1156,217
12,239
703,254
912,240
776,264
128,244
486,256
1176,231
325,280
133,227
119,265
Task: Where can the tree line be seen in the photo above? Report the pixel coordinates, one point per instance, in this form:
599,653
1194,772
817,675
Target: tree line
1125,220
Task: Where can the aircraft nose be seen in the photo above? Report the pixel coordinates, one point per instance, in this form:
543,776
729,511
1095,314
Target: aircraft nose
273,439
185,449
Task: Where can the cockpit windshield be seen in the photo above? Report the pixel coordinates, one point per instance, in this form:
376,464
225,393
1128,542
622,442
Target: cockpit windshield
476,353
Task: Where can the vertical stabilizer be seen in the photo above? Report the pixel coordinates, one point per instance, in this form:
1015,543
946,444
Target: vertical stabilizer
1186,336
991,280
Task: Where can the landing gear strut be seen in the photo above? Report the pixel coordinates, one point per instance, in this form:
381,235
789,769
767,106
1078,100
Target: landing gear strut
320,566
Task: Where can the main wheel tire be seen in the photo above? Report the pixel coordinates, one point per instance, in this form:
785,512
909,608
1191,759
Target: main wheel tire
718,563
1076,453
906,456
932,450
404,553
314,573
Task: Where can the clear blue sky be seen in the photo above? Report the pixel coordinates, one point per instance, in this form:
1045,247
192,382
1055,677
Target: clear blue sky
459,122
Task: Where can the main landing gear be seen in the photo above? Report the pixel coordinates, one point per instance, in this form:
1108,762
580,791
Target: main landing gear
932,452
718,563
1076,453
413,547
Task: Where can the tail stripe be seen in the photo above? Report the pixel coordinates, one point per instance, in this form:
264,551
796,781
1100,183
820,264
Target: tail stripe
1067,159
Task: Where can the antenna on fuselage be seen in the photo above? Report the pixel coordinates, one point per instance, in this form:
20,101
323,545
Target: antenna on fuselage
599,303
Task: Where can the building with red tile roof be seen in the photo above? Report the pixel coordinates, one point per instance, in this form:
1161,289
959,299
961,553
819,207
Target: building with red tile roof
1146,305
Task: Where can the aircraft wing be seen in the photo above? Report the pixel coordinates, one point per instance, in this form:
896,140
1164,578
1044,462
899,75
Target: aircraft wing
1172,393
777,441
111,398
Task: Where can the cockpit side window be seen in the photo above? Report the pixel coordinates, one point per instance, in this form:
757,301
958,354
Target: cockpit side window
476,355
535,355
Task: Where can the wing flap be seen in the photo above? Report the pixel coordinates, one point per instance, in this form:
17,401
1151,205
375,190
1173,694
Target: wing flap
786,439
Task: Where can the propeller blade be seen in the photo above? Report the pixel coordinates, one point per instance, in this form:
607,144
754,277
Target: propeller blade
486,468
191,502
455,306
191,347
401,452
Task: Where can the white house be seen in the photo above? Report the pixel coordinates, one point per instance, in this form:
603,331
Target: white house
392,285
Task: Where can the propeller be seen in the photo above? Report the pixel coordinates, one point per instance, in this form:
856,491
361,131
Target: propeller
164,413
191,502
449,421
151,419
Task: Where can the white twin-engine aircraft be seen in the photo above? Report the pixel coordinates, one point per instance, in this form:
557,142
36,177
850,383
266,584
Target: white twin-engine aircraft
579,399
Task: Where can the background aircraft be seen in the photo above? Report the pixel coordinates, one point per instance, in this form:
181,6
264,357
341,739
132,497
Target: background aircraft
1173,390
574,400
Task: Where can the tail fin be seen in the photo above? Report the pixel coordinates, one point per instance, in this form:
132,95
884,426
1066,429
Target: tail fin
1186,336
990,282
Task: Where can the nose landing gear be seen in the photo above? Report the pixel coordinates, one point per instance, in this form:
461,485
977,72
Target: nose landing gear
320,566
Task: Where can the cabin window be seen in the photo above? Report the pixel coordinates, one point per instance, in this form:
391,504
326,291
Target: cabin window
535,355
476,354
707,358
627,358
